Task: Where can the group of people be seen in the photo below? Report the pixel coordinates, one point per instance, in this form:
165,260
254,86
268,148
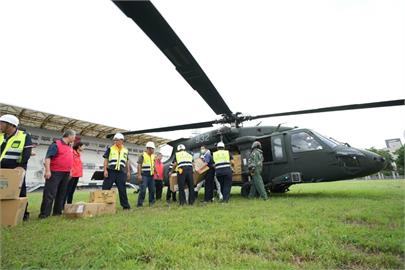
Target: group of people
64,167
150,173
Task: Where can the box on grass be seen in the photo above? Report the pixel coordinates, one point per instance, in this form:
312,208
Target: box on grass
102,196
12,211
82,209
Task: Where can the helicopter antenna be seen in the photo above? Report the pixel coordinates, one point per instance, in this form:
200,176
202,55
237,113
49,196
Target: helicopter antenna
258,124
278,127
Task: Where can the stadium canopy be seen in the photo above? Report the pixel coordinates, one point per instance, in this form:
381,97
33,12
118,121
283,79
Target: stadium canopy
37,119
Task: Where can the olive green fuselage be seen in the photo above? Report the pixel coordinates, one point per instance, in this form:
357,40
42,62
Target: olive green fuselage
303,152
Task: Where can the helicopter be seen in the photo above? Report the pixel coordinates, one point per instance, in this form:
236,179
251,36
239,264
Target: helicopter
291,155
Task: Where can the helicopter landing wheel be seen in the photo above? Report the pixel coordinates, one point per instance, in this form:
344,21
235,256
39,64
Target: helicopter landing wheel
279,189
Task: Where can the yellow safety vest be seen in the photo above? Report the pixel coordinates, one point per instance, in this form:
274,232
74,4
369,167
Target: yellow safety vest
222,159
148,164
184,159
117,159
14,147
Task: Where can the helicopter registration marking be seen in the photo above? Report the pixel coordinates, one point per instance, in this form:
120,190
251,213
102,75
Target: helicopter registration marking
202,138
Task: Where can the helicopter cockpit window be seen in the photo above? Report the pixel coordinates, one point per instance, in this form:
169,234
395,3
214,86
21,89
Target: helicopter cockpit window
328,141
303,141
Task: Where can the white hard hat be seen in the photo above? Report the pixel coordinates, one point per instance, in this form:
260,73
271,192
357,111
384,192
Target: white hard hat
181,147
221,145
118,136
11,119
150,145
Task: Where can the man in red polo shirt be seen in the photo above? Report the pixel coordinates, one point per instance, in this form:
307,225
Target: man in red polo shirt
58,164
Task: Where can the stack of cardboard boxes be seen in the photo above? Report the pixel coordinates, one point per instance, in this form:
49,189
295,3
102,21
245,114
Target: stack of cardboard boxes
200,169
101,202
12,207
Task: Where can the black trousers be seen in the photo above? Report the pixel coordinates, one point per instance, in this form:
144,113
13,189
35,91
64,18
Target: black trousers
54,193
23,193
209,185
71,188
186,178
119,178
170,194
158,189
226,185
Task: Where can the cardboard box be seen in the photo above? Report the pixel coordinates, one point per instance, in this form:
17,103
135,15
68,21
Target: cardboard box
82,210
237,177
102,196
107,208
200,167
12,211
237,164
198,177
174,187
10,183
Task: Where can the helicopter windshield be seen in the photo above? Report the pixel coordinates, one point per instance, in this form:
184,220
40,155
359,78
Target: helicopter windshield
332,143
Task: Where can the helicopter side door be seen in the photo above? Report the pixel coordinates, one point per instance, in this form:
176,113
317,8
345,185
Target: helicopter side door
275,157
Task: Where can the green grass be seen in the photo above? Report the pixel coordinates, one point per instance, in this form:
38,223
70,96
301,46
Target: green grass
348,224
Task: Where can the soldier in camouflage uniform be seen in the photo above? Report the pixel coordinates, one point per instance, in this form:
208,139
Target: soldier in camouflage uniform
255,170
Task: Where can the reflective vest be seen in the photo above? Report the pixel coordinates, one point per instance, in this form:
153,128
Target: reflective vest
63,160
14,147
222,159
117,160
148,164
184,159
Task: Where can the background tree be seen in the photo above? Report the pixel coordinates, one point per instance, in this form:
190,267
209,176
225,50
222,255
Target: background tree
399,161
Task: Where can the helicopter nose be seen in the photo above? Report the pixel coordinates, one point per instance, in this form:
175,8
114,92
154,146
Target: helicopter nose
380,162
375,162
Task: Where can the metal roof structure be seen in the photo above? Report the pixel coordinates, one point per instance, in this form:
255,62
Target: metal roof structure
32,118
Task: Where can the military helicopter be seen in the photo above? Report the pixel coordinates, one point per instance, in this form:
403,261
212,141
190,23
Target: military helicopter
291,155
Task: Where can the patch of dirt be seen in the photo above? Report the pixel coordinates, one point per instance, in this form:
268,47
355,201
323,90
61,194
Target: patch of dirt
359,222
143,257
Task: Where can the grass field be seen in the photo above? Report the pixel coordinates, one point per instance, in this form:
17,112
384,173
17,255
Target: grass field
348,224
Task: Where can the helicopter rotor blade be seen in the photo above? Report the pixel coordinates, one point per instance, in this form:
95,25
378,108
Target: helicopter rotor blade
379,104
152,23
169,128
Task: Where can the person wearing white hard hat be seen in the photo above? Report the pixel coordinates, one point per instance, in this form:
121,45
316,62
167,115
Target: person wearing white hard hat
117,169
209,178
15,149
183,163
223,170
146,171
